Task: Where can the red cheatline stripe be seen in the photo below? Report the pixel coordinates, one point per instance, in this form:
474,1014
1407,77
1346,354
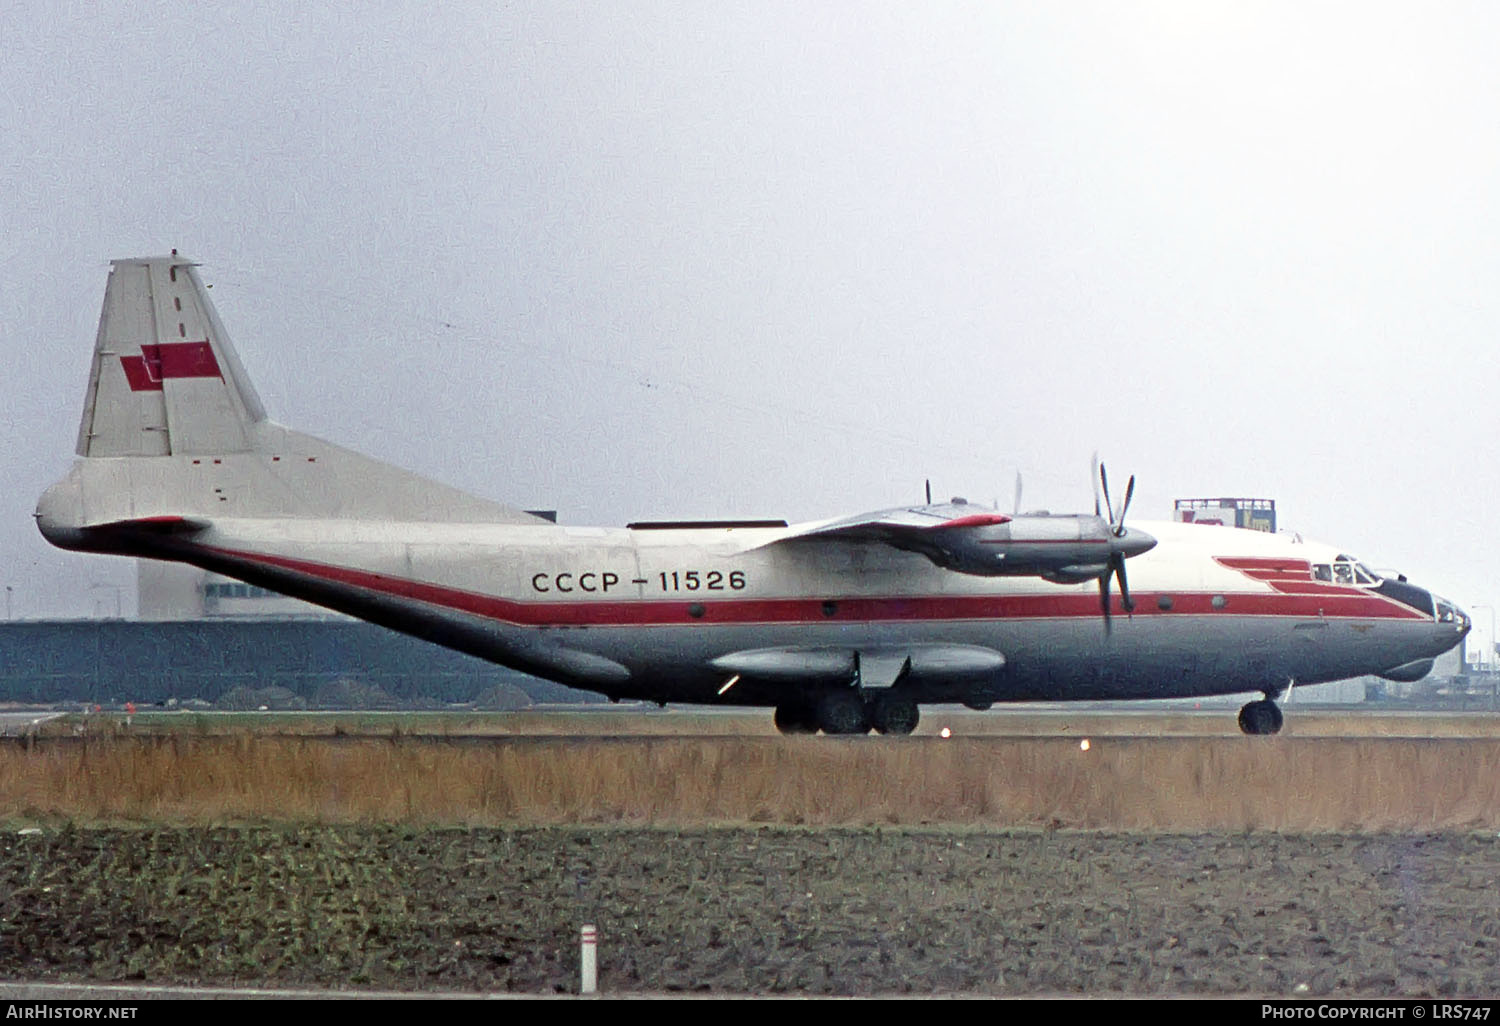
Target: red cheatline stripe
1279,574
1262,563
1289,577
1313,588
641,612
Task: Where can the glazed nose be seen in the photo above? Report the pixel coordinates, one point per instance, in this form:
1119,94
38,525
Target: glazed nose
1449,612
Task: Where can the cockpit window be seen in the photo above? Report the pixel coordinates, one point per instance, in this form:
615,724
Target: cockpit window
1346,570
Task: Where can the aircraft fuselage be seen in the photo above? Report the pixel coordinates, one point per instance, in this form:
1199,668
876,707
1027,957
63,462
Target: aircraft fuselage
646,613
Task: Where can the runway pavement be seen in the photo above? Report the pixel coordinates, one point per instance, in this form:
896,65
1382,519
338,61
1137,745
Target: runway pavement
16,723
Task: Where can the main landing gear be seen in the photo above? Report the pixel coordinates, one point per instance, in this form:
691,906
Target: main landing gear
1263,717
892,714
796,719
845,711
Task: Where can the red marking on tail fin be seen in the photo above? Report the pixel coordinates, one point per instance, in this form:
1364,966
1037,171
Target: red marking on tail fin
163,360
140,374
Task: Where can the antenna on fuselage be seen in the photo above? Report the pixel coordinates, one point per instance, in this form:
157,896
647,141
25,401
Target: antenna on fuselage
929,491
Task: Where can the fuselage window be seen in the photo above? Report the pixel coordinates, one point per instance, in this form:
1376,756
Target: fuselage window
1343,573
1322,572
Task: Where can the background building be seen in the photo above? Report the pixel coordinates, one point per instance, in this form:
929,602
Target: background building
236,662
1255,514
176,591
203,638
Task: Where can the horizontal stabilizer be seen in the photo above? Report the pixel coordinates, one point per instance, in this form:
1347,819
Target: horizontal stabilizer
157,525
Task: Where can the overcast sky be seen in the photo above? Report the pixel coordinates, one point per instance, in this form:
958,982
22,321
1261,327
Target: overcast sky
683,259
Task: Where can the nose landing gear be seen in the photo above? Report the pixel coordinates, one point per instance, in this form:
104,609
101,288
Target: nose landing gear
1263,717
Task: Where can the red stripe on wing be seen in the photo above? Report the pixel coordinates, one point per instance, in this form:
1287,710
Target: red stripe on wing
974,520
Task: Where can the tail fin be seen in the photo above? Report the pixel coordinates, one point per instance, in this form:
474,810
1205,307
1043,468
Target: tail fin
168,394
165,379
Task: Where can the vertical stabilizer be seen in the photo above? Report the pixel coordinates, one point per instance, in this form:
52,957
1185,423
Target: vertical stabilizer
167,393
165,379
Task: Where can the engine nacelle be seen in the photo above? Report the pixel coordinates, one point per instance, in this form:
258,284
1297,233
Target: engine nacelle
1062,549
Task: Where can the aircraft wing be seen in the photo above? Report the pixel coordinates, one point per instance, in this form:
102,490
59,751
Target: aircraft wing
1064,549
905,527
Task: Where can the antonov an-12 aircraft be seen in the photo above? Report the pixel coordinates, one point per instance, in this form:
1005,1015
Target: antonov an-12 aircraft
843,626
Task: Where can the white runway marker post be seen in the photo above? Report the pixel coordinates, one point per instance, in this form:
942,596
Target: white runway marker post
589,974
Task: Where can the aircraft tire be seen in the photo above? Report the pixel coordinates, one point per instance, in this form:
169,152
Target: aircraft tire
1263,717
841,712
795,719
892,714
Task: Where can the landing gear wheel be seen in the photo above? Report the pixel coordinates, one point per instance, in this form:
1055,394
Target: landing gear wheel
842,712
1263,717
892,714
795,719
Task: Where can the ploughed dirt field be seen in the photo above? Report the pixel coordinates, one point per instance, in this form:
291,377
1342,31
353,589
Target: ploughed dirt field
1352,856
772,910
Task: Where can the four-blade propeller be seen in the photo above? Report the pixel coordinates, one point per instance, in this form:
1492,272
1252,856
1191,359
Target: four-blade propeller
1119,550
1030,544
